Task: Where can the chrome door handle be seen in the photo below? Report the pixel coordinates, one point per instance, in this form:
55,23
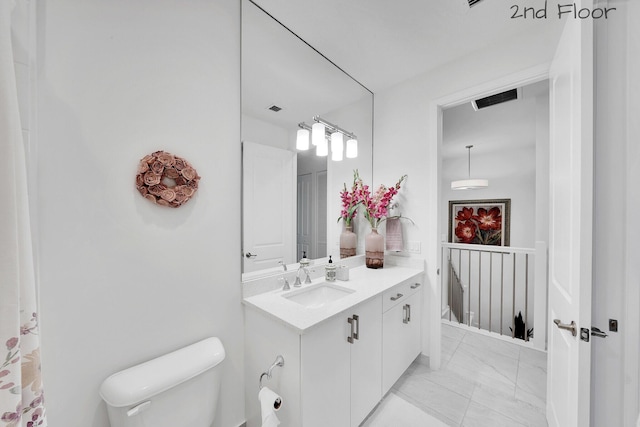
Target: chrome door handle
414,286
570,327
598,333
250,255
397,297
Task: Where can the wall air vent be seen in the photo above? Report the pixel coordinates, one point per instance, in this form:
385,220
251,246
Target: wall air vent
274,108
498,98
473,2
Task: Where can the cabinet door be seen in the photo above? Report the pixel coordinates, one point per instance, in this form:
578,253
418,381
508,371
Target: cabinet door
413,333
392,349
401,338
325,380
366,360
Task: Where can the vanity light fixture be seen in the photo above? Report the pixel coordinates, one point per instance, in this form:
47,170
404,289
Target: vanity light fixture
302,138
337,146
321,133
469,184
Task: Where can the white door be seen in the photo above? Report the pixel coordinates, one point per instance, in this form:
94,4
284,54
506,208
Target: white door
268,218
571,196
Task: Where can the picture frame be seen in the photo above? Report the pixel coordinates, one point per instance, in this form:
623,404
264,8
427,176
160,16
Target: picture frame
480,222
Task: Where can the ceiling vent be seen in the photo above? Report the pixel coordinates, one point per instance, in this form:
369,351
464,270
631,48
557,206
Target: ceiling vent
473,2
274,108
498,98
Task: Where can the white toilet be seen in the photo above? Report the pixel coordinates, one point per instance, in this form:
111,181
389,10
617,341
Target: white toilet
178,389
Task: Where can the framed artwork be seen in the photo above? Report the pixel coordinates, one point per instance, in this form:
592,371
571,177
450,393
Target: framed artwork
480,222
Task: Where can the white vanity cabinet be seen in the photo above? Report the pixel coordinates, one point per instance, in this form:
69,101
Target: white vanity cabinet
340,367
340,358
402,329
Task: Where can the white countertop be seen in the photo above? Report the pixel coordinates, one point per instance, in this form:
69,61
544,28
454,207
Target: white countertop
365,282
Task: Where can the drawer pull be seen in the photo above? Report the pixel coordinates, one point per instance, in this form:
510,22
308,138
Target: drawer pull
417,285
397,297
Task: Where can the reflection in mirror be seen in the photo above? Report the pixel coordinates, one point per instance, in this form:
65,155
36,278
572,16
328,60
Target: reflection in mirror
291,198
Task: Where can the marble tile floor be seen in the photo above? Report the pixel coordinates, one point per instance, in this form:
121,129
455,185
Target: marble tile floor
483,381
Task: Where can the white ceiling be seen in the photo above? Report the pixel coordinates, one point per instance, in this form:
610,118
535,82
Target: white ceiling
503,127
383,42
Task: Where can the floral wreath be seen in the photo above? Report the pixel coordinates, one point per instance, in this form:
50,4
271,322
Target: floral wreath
157,173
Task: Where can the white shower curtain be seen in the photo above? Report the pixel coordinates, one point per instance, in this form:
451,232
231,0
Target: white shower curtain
21,394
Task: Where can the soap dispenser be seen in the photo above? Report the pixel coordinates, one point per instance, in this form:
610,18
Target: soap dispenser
330,271
304,261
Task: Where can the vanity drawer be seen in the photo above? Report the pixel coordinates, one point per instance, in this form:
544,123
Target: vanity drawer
399,293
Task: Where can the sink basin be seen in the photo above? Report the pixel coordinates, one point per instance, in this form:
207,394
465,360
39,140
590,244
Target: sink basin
316,296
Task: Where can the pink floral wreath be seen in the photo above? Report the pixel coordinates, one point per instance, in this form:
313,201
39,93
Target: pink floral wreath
156,173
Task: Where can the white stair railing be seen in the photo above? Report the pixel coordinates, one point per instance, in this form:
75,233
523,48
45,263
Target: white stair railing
490,287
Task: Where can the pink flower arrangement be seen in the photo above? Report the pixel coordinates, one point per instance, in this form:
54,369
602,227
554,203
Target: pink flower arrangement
376,206
350,202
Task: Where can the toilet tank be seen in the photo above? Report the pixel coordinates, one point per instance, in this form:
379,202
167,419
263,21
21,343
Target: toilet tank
178,389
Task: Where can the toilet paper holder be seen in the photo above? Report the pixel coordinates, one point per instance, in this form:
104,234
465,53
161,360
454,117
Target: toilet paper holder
278,362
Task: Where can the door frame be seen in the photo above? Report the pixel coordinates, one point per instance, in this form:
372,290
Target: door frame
432,326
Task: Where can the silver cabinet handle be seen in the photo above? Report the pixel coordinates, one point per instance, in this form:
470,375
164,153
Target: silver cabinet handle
570,327
397,297
407,313
350,337
250,255
416,285
356,319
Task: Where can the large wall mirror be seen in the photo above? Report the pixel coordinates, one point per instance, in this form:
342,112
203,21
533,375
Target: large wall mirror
291,198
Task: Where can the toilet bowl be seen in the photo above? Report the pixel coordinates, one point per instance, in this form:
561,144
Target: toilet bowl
178,389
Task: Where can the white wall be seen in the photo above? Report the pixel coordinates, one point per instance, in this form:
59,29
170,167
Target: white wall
614,384
403,124
402,127
510,167
122,280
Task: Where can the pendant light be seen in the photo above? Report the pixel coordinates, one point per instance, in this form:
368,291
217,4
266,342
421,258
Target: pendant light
337,146
302,139
352,148
322,148
317,133
469,184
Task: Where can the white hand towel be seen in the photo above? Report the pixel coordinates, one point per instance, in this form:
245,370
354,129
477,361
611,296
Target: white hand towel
270,402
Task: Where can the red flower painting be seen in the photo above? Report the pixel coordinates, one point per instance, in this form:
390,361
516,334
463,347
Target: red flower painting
479,222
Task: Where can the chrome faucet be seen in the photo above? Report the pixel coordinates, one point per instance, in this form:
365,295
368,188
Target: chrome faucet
286,286
298,282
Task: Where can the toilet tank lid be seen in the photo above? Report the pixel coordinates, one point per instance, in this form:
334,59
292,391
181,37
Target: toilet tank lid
150,378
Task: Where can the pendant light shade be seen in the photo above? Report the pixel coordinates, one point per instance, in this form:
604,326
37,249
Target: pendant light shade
322,148
317,133
469,184
352,148
337,146
302,139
